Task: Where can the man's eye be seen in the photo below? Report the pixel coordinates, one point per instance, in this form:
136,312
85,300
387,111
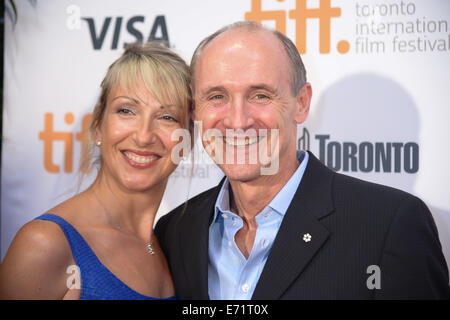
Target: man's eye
216,97
260,98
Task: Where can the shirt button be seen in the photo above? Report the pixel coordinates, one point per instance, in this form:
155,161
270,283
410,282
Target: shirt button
224,216
230,244
264,243
245,288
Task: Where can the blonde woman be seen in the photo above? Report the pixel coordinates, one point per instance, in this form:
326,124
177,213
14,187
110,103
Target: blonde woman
99,244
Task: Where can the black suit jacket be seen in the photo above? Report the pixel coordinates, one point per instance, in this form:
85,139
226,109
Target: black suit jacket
353,225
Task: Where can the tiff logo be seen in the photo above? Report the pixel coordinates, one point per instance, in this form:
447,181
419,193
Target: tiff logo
324,13
49,136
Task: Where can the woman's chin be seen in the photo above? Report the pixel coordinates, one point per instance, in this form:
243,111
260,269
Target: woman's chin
143,184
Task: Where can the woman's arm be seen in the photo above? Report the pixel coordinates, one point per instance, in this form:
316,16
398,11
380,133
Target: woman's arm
36,263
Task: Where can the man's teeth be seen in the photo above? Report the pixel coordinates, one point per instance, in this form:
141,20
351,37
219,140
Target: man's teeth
239,142
140,159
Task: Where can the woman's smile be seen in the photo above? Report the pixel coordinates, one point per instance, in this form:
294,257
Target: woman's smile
141,159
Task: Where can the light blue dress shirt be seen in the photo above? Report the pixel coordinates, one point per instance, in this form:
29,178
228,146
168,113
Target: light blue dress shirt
230,274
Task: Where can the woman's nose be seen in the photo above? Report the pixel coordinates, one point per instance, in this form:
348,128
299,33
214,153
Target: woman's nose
145,133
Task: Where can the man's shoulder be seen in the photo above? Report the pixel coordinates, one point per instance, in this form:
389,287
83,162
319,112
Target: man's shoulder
348,189
190,206
185,214
367,202
347,186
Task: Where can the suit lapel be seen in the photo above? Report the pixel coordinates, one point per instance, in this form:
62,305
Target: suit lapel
291,251
193,243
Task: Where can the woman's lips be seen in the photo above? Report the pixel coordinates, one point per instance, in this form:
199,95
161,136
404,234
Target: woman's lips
140,159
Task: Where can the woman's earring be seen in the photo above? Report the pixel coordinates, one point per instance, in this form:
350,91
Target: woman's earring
99,143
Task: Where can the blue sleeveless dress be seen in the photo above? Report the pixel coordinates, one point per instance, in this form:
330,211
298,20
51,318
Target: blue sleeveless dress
97,282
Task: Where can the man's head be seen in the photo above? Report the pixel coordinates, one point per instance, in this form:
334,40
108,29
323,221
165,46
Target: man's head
251,79
297,69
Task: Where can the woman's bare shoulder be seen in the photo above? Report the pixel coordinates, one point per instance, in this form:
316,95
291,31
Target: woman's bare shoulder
75,210
36,262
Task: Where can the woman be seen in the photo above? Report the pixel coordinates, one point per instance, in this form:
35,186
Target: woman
99,244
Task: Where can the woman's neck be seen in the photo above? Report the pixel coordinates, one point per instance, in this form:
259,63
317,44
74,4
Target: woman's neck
130,211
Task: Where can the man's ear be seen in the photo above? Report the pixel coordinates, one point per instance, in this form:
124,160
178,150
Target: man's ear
303,103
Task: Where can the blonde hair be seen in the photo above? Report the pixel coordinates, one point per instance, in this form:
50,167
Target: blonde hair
164,73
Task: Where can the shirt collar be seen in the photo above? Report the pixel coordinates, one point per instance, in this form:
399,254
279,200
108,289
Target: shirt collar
282,200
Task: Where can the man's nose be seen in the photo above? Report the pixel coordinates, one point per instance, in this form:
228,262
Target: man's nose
239,115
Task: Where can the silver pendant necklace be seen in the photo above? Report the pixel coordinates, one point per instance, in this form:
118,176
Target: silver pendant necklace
149,248
148,245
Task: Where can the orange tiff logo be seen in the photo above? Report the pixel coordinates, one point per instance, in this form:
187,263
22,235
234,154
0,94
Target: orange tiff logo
301,14
49,136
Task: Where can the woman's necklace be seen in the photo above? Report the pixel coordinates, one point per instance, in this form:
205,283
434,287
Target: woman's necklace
148,246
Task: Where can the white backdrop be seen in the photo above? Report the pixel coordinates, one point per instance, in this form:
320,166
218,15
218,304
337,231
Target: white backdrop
379,71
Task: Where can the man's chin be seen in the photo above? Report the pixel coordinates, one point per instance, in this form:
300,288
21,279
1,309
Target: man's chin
242,173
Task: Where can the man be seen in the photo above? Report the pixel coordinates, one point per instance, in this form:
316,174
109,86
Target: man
300,231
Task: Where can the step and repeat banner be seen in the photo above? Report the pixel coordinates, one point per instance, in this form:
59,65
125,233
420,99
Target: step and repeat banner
379,71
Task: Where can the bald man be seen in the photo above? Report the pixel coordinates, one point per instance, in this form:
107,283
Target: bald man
284,226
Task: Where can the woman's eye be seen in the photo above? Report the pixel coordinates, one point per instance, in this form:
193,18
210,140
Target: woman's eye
169,118
125,111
